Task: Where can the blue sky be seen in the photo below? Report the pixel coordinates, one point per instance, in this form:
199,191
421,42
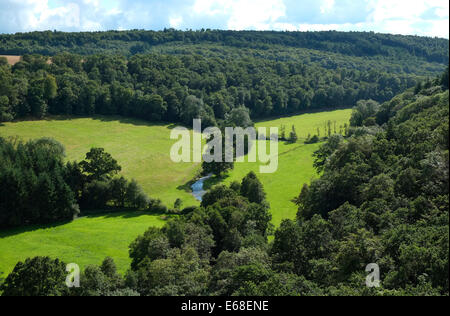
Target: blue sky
428,18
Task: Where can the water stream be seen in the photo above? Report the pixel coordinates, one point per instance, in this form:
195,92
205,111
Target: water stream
197,188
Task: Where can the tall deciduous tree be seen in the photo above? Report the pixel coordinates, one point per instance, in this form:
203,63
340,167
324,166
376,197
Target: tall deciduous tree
99,165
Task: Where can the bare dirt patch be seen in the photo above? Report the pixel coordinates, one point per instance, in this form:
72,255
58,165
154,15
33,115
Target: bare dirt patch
12,60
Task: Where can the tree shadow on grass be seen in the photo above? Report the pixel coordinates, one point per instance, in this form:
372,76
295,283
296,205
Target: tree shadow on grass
127,120
213,181
186,187
103,118
122,213
27,229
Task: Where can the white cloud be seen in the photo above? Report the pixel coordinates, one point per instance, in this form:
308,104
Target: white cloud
243,14
393,16
30,15
407,17
419,17
175,22
327,6
439,28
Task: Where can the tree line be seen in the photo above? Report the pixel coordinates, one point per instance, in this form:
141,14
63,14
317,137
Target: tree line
177,82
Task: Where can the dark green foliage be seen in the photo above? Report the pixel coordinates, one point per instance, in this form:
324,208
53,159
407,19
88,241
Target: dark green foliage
36,186
364,113
239,117
444,79
312,140
33,189
99,165
213,75
383,198
176,260
217,168
362,43
293,137
322,155
40,276
252,189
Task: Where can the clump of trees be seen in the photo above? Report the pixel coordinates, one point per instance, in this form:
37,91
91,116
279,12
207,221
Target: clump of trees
33,186
38,187
364,113
293,137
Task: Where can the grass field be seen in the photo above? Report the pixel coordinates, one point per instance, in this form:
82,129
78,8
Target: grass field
143,151
87,240
295,166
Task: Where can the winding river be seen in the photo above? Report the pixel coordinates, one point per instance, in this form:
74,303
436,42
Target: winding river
197,188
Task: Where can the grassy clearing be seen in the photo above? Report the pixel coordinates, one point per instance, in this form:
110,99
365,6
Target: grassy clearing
142,149
294,169
85,241
295,166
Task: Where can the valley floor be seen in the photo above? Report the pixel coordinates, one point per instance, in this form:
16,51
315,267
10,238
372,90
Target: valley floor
143,151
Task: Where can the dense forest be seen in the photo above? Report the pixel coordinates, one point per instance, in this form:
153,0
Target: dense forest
177,76
382,197
139,41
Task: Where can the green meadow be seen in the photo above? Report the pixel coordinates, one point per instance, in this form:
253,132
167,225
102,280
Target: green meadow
143,151
295,165
87,240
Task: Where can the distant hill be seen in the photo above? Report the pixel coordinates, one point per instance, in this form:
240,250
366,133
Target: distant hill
174,76
138,41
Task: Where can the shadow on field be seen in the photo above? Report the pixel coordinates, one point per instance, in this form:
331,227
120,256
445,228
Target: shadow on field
103,118
122,214
186,187
126,120
28,229
136,122
92,215
211,182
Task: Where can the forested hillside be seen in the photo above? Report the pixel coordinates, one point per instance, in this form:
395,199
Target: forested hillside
139,41
382,198
176,76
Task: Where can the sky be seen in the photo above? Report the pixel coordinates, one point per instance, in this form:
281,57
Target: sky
409,17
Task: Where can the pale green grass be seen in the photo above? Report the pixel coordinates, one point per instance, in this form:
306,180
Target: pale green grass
295,166
309,123
294,169
142,149
85,241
